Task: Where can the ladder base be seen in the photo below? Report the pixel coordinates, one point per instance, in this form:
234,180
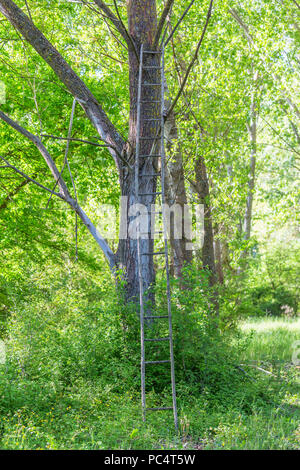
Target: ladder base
160,408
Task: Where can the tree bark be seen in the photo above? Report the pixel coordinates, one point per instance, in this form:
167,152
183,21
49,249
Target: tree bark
202,186
142,29
142,25
252,128
218,257
176,194
208,254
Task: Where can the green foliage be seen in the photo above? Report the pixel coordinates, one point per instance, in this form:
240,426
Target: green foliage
271,284
71,379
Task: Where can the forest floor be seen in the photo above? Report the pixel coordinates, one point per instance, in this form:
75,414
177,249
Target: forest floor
262,413
274,421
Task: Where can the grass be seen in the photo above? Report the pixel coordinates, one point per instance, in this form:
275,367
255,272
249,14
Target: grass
272,339
259,411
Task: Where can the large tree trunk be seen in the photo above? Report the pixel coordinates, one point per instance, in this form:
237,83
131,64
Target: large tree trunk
142,19
142,26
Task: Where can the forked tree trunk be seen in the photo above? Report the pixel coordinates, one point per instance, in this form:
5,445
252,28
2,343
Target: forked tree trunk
142,25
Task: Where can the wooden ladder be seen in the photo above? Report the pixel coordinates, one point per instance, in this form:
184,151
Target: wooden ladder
144,319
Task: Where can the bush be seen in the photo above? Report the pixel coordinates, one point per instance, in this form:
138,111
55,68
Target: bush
269,286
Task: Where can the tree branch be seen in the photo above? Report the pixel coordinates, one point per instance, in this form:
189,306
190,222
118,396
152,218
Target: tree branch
243,26
64,195
117,22
193,60
31,179
108,253
179,21
131,42
42,149
275,77
162,20
67,147
11,194
55,137
296,3
65,73
83,141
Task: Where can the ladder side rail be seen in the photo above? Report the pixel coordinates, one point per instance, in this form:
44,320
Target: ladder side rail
137,165
163,163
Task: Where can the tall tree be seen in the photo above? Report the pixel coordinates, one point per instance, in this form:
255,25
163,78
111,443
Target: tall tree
145,28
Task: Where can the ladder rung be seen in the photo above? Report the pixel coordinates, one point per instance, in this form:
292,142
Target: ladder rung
153,174
152,119
147,233
156,316
149,138
149,194
154,155
151,52
152,67
160,408
150,101
151,84
157,362
157,339
153,253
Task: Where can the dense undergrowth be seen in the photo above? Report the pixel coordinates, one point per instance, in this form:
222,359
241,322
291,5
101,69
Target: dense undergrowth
71,378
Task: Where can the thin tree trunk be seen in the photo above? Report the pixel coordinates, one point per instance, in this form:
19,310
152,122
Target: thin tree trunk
208,254
218,256
251,181
202,186
176,194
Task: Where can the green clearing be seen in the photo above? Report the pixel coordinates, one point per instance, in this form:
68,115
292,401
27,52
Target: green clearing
43,409
206,129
